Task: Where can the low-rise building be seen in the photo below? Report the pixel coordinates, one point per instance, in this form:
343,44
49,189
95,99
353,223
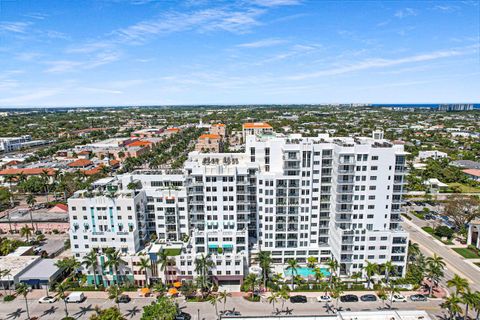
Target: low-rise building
433,154
209,143
254,128
473,174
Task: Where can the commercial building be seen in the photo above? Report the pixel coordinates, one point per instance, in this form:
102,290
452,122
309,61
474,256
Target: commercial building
209,142
349,315
293,196
8,144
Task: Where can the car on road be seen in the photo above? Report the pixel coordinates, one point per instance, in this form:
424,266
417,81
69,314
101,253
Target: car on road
298,299
418,297
124,299
47,299
398,298
325,298
75,297
232,313
349,298
368,297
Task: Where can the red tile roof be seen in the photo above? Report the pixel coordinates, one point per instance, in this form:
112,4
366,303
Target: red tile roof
257,125
139,143
27,171
472,172
80,163
209,136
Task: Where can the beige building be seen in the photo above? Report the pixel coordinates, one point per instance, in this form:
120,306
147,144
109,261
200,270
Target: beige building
218,128
209,143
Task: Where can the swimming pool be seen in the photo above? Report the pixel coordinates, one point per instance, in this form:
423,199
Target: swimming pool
306,272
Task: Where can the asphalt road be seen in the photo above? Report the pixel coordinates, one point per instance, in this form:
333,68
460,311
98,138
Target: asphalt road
454,262
15,310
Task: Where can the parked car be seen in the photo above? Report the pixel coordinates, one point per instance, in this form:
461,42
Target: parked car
232,313
183,316
398,298
368,297
324,298
75,297
124,298
47,299
298,299
418,297
349,298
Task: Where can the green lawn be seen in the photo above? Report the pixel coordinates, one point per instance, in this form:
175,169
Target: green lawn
430,231
173,252
464,188
467,253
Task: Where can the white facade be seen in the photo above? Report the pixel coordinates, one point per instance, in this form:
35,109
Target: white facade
13,143
295,197
434,154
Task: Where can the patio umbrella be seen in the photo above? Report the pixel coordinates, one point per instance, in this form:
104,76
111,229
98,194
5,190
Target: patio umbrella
177,284
172,291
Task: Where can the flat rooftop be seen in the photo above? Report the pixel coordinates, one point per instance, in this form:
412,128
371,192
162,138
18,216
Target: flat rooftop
43,270
42,215
16,264
350,315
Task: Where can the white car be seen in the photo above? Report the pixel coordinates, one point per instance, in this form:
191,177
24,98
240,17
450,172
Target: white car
398,298
47,299
324,298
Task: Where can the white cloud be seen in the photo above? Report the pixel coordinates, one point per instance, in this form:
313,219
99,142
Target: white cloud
407,12
262,43
102,58
30,97
276,3
380,63
15,27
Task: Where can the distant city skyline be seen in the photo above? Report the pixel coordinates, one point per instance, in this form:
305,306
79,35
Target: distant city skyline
148,52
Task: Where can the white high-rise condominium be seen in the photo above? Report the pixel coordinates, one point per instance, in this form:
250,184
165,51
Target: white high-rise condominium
296,197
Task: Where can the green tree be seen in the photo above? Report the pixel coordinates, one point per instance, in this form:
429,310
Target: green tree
453,305
26,232
164,309
61,289
265,261
114,293
370,269
434,270
23,290
144,267
31,201
108,314
214,300
311,262
90,261
293,266
382,295
223,296
460,284
272,299
469,299
114,261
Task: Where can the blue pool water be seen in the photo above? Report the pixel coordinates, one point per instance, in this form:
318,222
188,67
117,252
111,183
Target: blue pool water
305,272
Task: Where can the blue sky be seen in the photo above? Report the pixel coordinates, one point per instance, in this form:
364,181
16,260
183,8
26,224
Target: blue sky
137,52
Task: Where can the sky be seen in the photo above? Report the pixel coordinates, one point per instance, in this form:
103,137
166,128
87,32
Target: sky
165,52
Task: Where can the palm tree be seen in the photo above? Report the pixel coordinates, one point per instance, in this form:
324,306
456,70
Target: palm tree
4,273
23,290
332,264
203,264
382,295
26,232
318,275
114,293
459,283
163,261
61,289
452,304
251,281
223,298
214,300
31,201
469,299
70,265
413,251
311,262
273,298
45,175
434,270
114,261
144,267
293,267
370,270
91,261
387,268
476,304
393,289
283,294
265,261
336,289
356,275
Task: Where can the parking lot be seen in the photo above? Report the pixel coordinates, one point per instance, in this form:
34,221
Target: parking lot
133,309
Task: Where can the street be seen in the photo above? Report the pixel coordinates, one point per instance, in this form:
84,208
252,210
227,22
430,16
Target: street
133,310
454,262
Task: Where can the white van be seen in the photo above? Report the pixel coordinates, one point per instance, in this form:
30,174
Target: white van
75,297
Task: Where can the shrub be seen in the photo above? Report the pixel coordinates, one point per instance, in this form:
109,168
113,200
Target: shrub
8,298
252,298
444,231
55,231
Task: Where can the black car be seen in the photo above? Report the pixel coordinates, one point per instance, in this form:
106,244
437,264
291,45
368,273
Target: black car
124,299
349,298
183,316
232,313
418,297
368,297
298,299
